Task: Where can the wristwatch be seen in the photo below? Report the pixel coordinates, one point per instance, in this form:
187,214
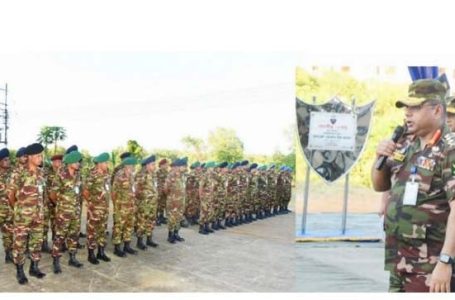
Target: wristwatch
446,259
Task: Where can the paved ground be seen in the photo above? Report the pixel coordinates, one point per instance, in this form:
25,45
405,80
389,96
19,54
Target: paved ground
340,267
257,257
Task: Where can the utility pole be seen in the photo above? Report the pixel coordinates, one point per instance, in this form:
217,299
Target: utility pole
4,117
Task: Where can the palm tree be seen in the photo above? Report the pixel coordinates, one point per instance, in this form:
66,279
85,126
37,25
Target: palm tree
51,135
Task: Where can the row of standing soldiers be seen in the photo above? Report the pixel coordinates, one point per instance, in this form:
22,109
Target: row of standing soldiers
35,199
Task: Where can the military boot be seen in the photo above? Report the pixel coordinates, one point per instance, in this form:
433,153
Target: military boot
101,255
207,228
73,261
56,264
8,256
227,222
202,230
163,219
92,258
127,248
178,238
220,226
184,223
140,244
35,271
45,247
82,235
171,237
20,275
150,242
118,251
214,226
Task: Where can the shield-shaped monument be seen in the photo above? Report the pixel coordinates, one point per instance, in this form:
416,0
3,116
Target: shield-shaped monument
332,135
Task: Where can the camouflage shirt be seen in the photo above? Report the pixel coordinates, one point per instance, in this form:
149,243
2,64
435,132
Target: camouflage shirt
4,178
68,190
124,189
99,188
28,190
147,185
415,233
161,179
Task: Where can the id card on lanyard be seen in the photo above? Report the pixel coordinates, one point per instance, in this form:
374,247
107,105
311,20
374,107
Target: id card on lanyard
412,189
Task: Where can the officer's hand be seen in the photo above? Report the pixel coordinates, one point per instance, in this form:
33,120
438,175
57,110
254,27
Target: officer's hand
440,278
386,147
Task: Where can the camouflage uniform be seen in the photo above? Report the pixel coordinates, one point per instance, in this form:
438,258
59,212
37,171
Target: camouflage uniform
124,207
50,177
415,233
147,201
175,202
231,195
206,189
242,193
218,197
262,192
192,195
99,188
27,213
161,174
253,192
67,212
6,213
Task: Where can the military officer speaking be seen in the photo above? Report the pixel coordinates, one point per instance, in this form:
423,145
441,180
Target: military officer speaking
420,173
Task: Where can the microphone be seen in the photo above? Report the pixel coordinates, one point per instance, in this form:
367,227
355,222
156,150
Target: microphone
397,133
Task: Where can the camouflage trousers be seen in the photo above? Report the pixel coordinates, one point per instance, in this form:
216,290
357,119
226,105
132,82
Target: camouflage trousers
230,206
49,220
174,210
192,206
220,212
28,226
124,221
6,225
146,217
161,204
214,205
67,228
204,210
96,226
412,283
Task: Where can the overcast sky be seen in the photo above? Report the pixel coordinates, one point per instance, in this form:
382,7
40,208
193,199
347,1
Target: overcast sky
105,98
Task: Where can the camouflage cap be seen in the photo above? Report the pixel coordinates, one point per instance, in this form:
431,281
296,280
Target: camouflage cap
450,104
422,90
72,157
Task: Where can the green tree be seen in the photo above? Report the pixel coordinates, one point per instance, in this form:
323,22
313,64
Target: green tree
135,149
51,135
195,148
225,145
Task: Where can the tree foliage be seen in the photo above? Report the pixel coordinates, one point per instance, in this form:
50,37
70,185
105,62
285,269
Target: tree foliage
225,145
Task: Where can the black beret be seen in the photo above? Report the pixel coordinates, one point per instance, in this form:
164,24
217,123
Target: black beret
125,155
34,149
4,153
202,165
20,152
244,163
148,160
236,165
71,149
253,166
175,163
223,165
184,162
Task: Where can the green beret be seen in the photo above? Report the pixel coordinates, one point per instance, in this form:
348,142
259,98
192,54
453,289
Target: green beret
195,165
103,157
72,157
210,164
129,161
